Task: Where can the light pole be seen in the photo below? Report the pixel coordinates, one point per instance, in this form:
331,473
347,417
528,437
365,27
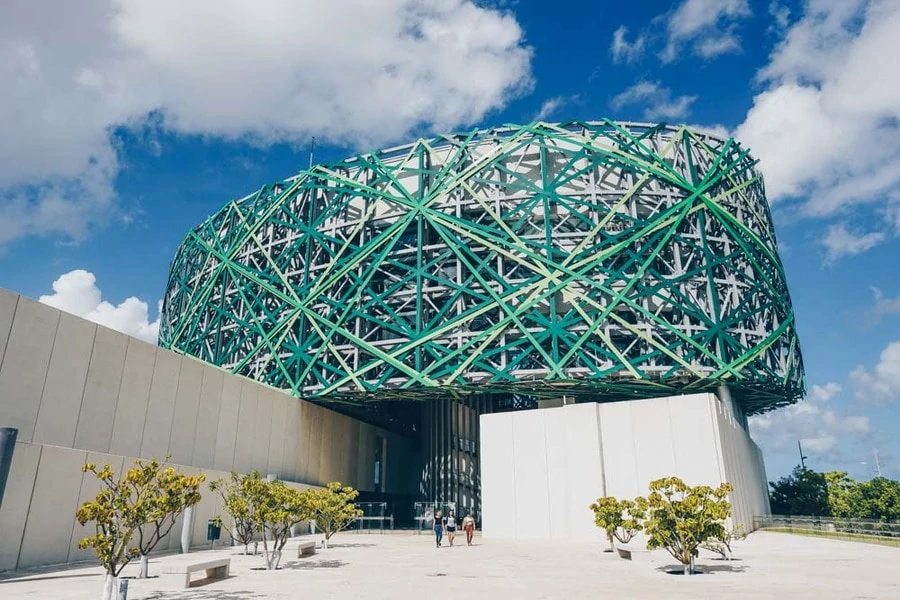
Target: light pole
802,458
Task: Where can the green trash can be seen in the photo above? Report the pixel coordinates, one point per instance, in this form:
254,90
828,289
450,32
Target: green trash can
213,530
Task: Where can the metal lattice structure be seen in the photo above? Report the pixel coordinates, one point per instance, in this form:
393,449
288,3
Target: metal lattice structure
599,260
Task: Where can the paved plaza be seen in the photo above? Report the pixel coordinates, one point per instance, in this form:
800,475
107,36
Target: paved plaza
407,566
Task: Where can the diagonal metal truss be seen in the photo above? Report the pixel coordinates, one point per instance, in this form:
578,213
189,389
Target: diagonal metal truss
601,260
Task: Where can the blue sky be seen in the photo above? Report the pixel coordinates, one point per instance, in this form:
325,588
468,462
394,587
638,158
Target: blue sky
123,124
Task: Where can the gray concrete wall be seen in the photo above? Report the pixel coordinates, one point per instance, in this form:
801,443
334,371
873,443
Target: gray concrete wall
541,469
78,391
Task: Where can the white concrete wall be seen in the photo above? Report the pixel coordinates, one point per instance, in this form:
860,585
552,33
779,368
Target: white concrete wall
541,469
77,391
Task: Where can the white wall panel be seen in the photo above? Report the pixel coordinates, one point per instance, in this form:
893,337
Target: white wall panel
262,430
498,483
694,438
88,490
229,418
161,406
24,367
101,391
243,446
186,410
8,302
208,417
275,460
48,531
558,492
619,460
134,396
64,384
16,502
530,472
584,466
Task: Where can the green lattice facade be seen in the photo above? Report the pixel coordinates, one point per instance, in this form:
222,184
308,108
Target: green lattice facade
599,260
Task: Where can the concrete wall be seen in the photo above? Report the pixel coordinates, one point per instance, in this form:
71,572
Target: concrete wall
541,469
77,391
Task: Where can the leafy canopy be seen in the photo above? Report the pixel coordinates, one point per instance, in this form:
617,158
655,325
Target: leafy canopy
680,518
149,494
332,507
620,519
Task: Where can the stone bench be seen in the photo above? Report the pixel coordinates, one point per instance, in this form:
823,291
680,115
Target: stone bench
306,549
215,569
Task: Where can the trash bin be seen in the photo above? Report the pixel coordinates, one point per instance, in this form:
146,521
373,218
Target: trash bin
213,530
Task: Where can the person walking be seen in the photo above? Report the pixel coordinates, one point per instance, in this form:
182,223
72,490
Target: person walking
451,527
438,527
469,527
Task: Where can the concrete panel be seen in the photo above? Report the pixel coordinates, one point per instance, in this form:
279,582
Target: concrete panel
694,439
653,444
619,466
291,438
226,432
101,391
187,406
262,429
362,467
209,507
134,395
555,433
275,459
304,442
161,406
48,530
498,483
351,454
25,363
530,472
16,502
208,417
90,487
8,302
64,385
316,439
243,447
329,450
585,467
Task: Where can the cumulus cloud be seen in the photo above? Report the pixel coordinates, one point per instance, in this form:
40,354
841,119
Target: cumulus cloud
552,105
622,50
884,305
840,241
826,128
811,421
76,292
708,25
348,71
882,383
658,101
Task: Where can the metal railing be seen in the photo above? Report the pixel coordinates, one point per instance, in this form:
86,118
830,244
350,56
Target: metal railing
861,530
374,518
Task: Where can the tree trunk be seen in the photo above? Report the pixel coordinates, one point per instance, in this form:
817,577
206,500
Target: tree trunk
325,543
109,588
246,549
145,567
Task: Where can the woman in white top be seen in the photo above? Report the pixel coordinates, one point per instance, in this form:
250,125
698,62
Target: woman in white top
451,527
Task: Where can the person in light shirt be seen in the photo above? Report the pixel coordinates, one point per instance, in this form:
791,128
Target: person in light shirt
469,528
451,527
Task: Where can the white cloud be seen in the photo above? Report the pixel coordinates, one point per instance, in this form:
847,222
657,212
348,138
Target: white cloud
882,384
552,105
658,101
884,305
708,24
348,71
839,241
76,292
622,51
818,427
781,16
827,127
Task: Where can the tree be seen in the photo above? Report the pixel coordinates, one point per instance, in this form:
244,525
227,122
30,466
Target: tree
680,518
163,494
878,499
722,545
143,496
279,508
238,503
620,519
804,492
842,494
332,508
